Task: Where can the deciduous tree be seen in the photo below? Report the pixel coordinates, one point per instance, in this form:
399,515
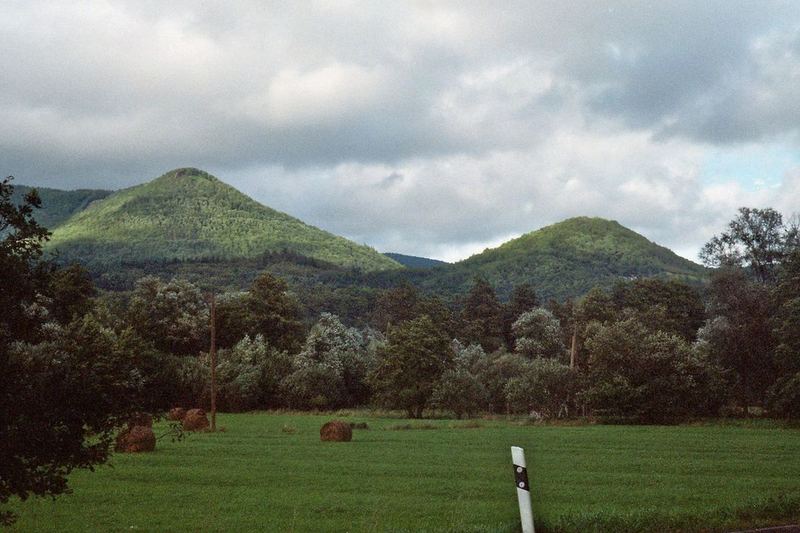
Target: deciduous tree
274,313
410,365
757,239
538,334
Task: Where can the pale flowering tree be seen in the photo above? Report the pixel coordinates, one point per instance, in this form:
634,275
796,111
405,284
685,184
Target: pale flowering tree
173,315
538,334
331,368
249,374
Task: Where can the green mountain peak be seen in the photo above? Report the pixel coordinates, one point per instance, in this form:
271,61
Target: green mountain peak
188,214
570,257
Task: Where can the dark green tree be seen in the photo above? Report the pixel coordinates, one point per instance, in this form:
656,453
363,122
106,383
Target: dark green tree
663,305
249,375
783,399
396,305
738,336
71,291
545,387
565,313
410,365
275,314
343,355
523,298
460,392
64,390
596,306
786,322
538,334
64,399
494,371
482,316
233,319
22,273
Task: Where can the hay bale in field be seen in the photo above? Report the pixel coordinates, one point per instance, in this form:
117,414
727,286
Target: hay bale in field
136,439
195,420
141,419
336,431
176,413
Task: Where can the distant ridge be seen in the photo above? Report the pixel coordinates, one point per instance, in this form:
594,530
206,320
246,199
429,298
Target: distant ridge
413,261
58,205
188,214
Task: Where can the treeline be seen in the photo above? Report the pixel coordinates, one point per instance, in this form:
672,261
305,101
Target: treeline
646,350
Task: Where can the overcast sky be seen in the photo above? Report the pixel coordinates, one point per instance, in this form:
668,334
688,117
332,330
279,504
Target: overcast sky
427,128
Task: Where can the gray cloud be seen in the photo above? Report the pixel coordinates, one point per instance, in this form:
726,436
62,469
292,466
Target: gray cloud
426,128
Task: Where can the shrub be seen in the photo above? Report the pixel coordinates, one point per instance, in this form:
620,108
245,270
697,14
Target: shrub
784,397
313,387
545,387
493,371
460,392
538,334
645,376
249,375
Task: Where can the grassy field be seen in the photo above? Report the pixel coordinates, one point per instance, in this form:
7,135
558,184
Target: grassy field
270,472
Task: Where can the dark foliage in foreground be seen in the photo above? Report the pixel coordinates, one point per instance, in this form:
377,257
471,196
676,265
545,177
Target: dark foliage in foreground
67,381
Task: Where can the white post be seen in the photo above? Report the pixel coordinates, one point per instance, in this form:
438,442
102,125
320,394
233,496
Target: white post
523,489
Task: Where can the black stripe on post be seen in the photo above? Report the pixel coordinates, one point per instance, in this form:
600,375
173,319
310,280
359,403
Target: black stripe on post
521,477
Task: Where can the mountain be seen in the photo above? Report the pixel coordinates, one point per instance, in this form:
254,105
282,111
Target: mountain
57,205
189,223
189,215
413,261
566,260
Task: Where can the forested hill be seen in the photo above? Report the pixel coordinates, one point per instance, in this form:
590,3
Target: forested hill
190,224
58,205
567,259
187,214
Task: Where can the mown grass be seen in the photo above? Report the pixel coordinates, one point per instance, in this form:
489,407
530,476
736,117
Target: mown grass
256,476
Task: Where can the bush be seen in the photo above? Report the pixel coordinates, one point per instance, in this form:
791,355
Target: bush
784,397
313,387
494,371
544,387
249,375
645,376
460,392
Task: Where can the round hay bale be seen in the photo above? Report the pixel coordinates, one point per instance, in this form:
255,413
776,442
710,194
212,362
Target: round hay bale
136,439
177,413
336,431
141,419
195,420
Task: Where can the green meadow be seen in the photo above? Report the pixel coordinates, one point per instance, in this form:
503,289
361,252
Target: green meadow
270,472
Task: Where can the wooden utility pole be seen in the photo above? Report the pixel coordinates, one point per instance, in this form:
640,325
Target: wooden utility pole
574,351
213,353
